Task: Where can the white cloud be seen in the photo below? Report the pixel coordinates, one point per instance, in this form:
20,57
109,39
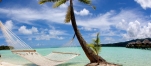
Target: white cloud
9,24
122,25
103,21
63,6
109,40
38,45
137,30
26,31
106,22
28,14
100,22
133,28
34,29
129,24
87,29
29,38
43,37
105,33
144,3
56,32
108,19
60,38
82,12
93,34
50,34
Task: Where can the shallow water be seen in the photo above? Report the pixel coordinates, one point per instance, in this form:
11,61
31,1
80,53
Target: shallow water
119,55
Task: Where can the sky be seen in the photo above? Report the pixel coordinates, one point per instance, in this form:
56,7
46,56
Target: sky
44,26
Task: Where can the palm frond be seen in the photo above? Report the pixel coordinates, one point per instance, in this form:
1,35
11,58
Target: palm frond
98,48
95,46
92,47
85,1
93,7
59,2
97,39
44,1
68,15
88,2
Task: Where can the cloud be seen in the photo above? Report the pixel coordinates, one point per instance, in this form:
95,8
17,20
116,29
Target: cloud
101,22
109,40
28,14
108,20
111,18
137,30
26,31
122,25
9,24
144,3
63,6
29,38
60,38
93,34
82,12
56,32
46,34
87,29
126,24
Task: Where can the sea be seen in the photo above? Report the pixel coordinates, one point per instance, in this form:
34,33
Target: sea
118,55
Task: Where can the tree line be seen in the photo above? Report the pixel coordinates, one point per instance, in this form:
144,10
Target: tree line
6,47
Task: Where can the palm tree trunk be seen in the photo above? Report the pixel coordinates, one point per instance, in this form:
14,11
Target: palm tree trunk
89,53
98,58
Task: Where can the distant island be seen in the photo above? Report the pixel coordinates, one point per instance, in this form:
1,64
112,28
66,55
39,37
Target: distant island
124,44
5,47
118,44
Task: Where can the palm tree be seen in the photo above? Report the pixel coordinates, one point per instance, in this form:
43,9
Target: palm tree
96,46
71,17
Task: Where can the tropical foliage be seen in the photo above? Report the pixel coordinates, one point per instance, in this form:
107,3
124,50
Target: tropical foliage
6,47
95,45
70,17
57,3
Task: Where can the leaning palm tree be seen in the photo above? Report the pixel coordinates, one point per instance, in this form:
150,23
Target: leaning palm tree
71,17
96,46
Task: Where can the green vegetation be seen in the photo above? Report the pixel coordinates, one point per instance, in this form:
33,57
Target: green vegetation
123,44
6,47
70,17
96,46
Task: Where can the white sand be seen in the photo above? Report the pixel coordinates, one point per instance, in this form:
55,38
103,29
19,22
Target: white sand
8,64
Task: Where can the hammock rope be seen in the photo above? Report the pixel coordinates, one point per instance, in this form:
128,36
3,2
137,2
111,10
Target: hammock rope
24,50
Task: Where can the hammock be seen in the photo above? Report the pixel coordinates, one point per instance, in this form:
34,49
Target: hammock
22,49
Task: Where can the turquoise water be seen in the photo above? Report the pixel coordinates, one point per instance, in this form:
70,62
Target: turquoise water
119,55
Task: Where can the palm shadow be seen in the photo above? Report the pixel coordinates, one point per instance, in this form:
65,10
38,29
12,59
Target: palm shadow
67,64
30,64
64,64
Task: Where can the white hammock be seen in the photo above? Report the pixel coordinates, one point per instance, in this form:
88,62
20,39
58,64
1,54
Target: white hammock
22,49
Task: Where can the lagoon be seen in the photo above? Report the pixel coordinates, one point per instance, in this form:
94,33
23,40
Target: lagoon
119,55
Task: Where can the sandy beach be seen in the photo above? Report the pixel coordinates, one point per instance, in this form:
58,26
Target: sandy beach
8,64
